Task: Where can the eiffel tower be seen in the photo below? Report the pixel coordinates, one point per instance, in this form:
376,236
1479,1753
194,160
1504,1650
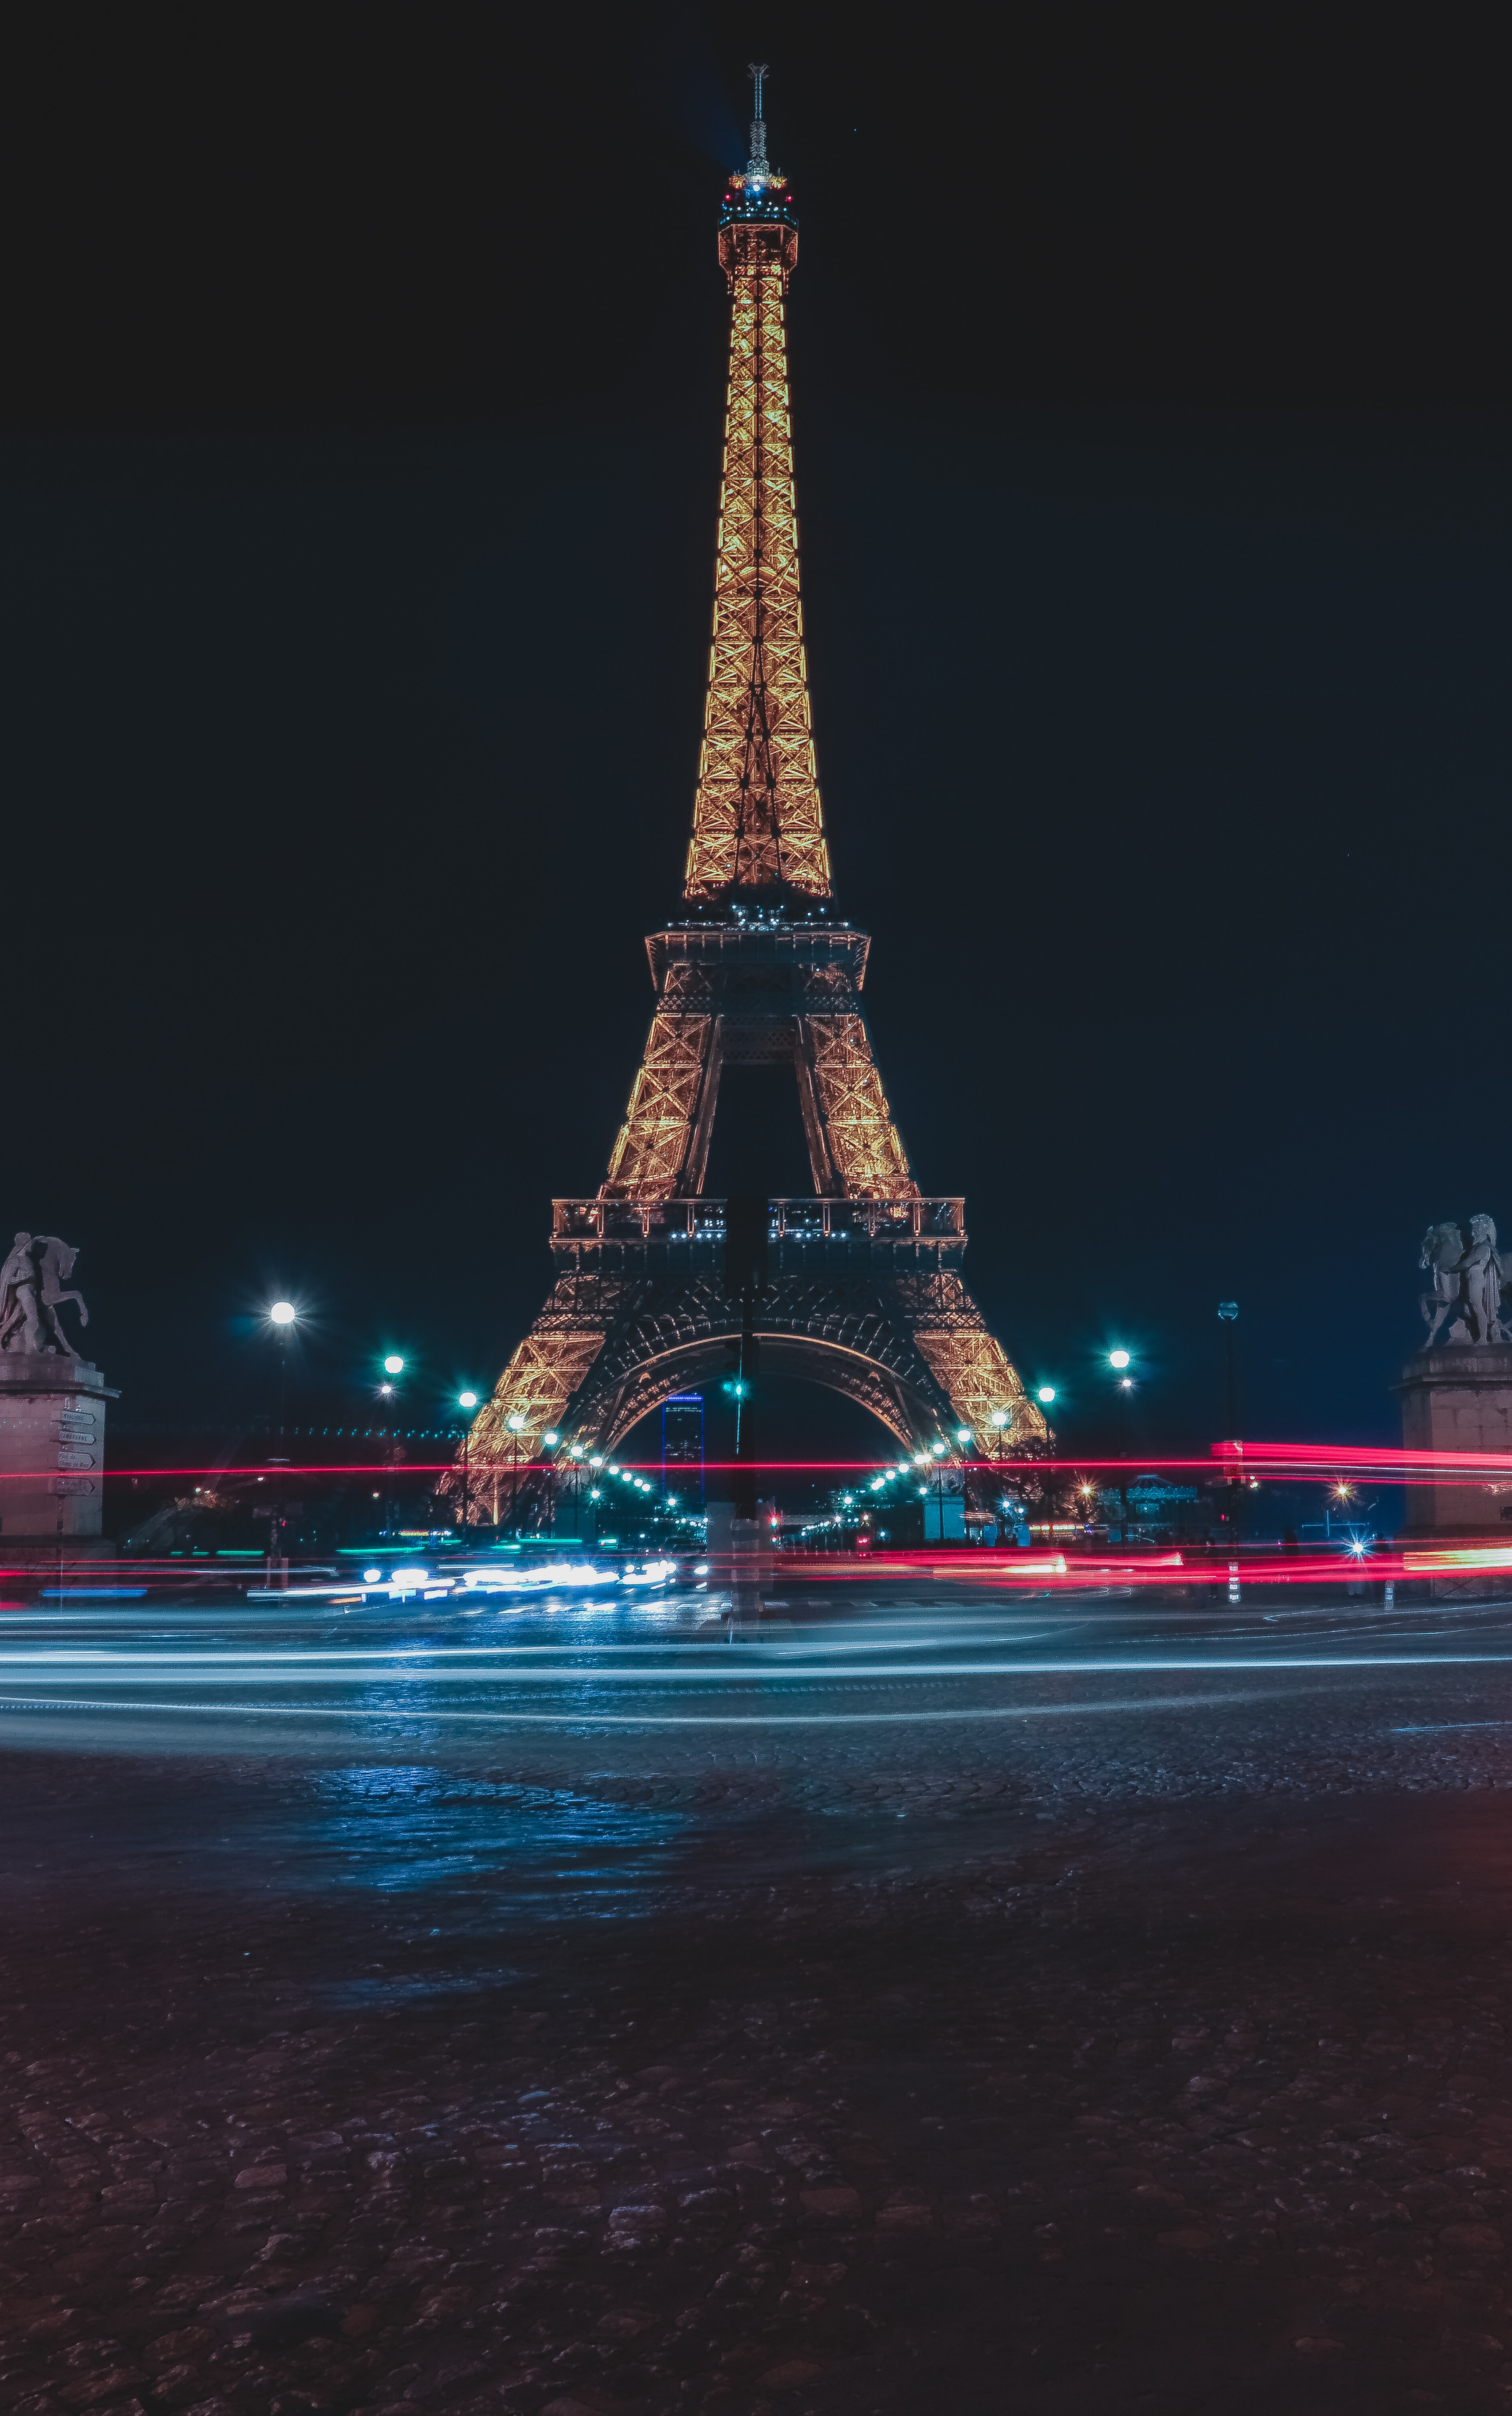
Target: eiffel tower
657,1287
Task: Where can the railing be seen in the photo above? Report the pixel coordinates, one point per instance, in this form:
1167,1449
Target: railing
911,1218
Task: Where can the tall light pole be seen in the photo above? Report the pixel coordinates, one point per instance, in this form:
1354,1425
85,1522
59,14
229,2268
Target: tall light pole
1228,1315
516,1424
1118,1362
283,1317
1045,1393
549,1442
388,1392
466,1401
1000,1421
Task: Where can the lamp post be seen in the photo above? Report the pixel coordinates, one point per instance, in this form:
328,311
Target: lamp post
1045,1393
964,1437
466,1401
516,1424
1118,1362
1228,1315
283,1317
388,1392
1000,1421
549,1442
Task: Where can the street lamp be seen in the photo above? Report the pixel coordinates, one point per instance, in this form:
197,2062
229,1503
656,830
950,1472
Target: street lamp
549,1442
282,1316
937,1462
1228,1315
1118,1361
1000,1422
1229,1312
1046,1394
393,1366
516,1426
466,1401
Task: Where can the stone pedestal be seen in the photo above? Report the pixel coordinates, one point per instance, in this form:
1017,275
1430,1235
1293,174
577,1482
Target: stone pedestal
51,1446
1459,1398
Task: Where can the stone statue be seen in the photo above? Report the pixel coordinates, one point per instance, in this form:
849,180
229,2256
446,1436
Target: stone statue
1467,1284
31,1294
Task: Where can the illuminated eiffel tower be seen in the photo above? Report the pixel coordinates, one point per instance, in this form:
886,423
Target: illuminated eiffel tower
657,1287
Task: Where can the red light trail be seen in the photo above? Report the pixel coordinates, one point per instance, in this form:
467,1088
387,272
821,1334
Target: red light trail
1315,1462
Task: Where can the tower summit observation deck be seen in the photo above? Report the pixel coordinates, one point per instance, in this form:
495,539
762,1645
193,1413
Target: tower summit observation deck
857,1286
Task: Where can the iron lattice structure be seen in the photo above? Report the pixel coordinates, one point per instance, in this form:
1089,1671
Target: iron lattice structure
757,820
862,1288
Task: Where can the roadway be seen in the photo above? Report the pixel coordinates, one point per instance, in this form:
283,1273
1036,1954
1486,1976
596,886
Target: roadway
924,1992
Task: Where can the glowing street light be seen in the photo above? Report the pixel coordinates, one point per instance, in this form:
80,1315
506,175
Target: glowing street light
1046,1393
516,1424
393,1365
466,1401
281,1316
1000,1422
1118,1358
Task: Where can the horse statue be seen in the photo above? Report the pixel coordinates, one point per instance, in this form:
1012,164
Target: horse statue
32,1291
1467,1283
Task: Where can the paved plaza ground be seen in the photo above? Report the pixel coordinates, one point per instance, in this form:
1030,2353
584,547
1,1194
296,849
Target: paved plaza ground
938,2000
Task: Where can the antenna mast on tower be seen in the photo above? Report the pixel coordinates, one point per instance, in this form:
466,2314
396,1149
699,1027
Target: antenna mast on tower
756,165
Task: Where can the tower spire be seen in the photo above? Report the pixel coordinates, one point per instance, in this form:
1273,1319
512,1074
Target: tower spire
758,823
756,165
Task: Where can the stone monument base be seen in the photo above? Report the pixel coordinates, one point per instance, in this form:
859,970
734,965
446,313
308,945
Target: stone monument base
1458,1396
52,1447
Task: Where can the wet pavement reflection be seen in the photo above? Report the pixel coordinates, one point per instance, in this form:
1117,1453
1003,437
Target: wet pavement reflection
926,1989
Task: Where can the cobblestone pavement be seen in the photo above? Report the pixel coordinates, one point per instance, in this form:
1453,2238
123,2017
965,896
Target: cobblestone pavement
1158,2061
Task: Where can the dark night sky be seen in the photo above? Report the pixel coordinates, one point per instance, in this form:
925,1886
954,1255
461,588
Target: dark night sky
363,419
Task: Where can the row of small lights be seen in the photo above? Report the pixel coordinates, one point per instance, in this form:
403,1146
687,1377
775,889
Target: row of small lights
283,1313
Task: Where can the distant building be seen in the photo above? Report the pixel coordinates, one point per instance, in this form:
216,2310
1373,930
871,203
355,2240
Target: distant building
1158,1509
682,1443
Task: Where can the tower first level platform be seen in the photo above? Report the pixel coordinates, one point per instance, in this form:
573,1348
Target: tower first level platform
865,1296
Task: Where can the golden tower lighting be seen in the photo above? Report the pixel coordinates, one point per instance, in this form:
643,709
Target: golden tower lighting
857,1286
